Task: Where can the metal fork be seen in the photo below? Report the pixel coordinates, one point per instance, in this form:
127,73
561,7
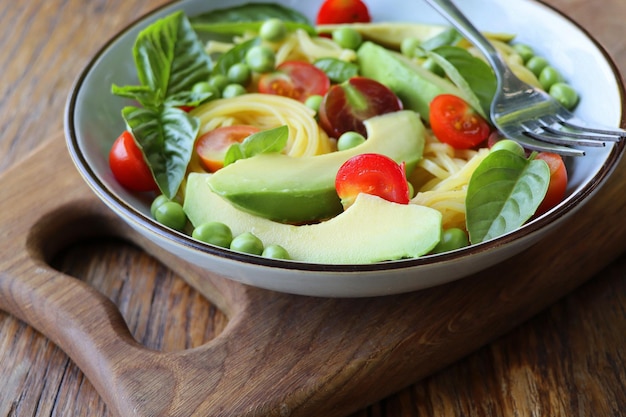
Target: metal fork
522,112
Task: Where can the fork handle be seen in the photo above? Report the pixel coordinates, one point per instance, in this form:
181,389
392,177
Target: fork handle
449,10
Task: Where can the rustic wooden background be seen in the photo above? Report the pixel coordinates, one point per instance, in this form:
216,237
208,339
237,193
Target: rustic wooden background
568,361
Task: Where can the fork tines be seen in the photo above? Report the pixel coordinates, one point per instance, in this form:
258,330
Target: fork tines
606,132
564,132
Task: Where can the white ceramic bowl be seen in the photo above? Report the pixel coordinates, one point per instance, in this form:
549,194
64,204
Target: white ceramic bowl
93,122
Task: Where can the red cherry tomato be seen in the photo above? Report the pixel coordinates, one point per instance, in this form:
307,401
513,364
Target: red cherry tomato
128,165
375,174
212,146
347,105
558,181
454,122
343,11
296,79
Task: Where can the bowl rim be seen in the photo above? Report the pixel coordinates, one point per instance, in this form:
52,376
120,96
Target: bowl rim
137,218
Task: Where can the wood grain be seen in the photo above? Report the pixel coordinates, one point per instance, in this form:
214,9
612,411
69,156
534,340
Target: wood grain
567,361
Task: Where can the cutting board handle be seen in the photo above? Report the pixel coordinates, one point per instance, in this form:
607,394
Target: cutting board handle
46,208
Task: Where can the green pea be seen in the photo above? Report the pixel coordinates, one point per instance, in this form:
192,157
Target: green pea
219,81
408,46
215,233
524,51
509,145
536,64
171,214
411,190
156,203
247,243
201,87
261,58
349,140
275,252
204,87
233,90
549,76
273,30
564,94
451,239
239,73
314,102
347,38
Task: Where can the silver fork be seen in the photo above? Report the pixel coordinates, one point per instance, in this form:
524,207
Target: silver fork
522,112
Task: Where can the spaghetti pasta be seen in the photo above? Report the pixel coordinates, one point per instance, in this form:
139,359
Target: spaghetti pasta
441,180
267,111
300,46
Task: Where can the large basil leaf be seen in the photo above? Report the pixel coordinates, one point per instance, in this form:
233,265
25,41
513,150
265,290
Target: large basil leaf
503,193
251,12
143,94
169,56
475,71
249,17
471,75
240,28
169,59
166,138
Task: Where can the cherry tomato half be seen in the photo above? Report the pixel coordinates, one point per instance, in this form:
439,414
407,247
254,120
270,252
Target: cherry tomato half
375,174
343,11
558,181
296,79
128,166
347,105
212,146
454,122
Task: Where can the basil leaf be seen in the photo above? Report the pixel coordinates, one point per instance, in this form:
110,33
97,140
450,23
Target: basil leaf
251,12
188,98
455,75
234,153
169,59
240,28
503,193
142,94
169,56
337,70
265,141
476,72
166,138
448,37
234,55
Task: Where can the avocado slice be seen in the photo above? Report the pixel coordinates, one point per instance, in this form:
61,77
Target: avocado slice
302,189
370,230
414,85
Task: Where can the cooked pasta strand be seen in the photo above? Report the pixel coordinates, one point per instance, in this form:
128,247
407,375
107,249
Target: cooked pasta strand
267,111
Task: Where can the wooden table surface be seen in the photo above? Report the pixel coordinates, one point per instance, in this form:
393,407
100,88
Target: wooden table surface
570,360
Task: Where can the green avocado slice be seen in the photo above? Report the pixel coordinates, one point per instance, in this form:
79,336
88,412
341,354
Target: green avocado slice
302,189
370,230
414,85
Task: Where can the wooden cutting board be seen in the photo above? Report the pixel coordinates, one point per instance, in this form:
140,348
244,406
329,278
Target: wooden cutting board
280,355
